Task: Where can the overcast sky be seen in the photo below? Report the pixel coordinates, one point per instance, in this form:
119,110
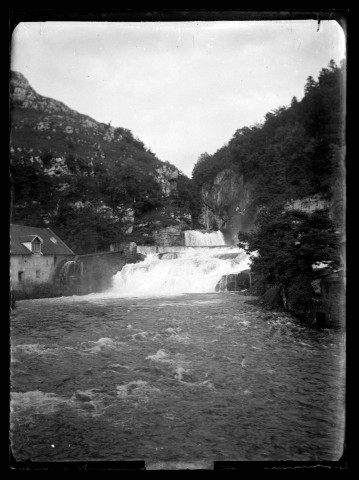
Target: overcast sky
183,88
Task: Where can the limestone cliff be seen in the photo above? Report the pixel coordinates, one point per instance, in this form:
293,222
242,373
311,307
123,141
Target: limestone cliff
225,205
166,176
24,96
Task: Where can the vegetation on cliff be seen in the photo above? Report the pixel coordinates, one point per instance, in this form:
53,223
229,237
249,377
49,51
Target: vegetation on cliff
296,153
87,180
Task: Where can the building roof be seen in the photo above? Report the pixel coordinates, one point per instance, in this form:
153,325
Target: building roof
51,243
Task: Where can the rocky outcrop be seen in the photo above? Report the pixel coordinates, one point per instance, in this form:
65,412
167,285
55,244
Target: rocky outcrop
128,219
226,202
225,205
24,96
308,204
162,226
61,118
234,282
167,176
335,205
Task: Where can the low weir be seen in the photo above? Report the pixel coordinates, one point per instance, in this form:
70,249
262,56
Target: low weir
194,268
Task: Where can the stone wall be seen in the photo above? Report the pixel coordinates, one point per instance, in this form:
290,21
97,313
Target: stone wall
37,269
169,236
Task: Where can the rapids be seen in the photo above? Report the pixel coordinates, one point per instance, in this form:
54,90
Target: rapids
174,381
161,368
190,270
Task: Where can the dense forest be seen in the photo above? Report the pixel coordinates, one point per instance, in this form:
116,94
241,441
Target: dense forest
297,152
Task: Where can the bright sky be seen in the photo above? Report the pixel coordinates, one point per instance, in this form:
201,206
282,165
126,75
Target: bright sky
183,88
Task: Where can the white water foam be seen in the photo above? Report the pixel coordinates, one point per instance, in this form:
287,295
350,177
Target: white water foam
87,401
207,239
159,356
103,345
36,400
37,349
143,336
197,270
179,372
137,388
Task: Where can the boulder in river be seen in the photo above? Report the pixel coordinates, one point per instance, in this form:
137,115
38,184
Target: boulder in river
234,282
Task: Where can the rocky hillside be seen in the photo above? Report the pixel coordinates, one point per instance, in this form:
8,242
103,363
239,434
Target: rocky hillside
94,184
277,189
295,158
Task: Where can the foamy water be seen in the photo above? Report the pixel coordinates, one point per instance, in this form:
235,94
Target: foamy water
175,381
203,239
195,270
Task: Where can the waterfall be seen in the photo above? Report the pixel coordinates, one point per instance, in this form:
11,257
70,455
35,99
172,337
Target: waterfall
193,270
66,267
194,238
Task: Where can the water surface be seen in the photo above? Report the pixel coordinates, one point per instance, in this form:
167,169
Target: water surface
172,380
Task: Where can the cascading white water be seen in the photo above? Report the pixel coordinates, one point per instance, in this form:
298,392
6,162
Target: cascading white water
195,270
194,238
66,267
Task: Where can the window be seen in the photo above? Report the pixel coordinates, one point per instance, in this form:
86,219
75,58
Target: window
36,246
20,276
53,240
38,273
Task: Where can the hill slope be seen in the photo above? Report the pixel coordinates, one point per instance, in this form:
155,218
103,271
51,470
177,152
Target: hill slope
279,189
93,183
296,154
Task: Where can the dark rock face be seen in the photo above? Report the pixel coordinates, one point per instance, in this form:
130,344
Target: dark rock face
234,282
225,205
168,256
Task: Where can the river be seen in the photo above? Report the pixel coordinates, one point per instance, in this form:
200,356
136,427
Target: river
176,381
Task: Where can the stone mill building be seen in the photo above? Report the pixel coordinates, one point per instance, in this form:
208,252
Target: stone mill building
34,255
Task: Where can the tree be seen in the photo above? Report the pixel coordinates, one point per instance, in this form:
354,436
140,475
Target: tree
188,195
310,85
286,245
